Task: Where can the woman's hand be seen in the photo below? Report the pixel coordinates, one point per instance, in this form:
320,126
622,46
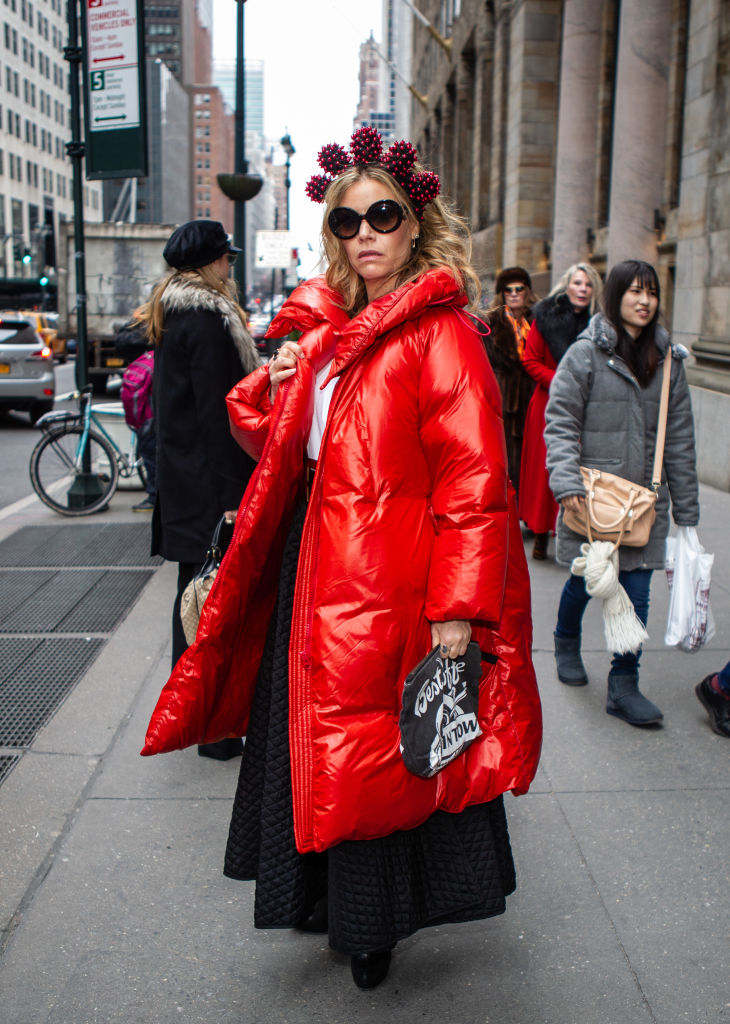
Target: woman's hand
451,637
283,364
574,503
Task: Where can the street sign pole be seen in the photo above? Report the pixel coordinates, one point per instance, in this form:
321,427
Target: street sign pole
86,487
75,150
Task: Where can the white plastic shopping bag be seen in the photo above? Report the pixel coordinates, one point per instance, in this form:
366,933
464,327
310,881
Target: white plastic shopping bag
689,624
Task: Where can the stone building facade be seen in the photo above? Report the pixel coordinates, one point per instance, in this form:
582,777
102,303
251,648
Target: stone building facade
598,130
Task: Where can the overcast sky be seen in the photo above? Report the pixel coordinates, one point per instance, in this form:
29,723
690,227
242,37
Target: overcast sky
310,51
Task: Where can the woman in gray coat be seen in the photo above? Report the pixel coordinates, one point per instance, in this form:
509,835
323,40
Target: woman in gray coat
602,412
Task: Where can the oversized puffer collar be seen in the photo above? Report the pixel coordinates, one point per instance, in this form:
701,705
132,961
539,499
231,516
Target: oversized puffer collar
603,336
187,292
314,303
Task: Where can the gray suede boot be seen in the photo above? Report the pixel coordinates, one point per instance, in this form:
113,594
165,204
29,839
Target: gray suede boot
626,701
568,660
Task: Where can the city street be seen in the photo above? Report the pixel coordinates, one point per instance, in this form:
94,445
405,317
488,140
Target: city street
114,907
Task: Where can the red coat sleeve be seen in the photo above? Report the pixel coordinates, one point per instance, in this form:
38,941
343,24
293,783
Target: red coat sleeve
463,439
249,411
537,360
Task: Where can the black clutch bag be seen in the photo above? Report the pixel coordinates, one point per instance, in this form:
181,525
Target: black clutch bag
438,718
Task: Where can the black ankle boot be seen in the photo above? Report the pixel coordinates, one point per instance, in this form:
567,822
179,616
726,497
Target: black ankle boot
571,670
626,701
369,969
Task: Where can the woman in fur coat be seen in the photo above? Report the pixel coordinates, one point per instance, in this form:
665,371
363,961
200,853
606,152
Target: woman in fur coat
509,317
559,319
202,350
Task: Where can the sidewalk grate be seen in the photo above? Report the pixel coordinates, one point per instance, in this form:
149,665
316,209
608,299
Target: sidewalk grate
85,544
35,677
17,587
69,579
7,763
73,601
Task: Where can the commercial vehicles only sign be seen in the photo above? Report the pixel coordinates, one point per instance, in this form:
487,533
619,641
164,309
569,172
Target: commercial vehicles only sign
113,62
114,89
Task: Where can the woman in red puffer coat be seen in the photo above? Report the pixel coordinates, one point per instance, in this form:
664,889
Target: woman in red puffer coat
377,524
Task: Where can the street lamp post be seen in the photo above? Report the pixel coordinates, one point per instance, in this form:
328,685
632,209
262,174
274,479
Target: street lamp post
240,186
286,145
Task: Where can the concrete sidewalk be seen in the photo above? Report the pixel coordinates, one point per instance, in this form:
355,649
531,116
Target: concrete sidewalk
114,907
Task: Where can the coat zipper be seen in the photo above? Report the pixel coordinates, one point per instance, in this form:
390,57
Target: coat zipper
300,655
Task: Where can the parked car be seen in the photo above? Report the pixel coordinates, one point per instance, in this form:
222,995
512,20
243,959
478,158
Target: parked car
45,324
27,378
258,325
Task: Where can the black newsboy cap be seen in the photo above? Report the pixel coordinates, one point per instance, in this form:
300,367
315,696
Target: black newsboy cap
196,244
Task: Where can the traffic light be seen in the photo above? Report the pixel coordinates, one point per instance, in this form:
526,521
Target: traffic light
27,257
43,281
17,250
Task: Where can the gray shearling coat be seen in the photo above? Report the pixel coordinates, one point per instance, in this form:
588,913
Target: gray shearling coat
598,415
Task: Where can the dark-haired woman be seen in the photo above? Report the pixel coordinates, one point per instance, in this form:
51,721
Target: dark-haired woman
509,316
559,319
602,412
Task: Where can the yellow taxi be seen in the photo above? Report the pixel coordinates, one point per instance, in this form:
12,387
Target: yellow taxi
43,323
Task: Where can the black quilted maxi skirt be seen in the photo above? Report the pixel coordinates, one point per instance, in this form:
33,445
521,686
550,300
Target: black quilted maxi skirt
453,867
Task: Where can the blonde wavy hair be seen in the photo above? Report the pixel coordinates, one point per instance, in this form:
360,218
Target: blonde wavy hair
152,314
591,273
443,241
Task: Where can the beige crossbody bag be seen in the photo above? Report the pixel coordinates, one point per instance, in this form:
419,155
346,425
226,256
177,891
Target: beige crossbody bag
616,509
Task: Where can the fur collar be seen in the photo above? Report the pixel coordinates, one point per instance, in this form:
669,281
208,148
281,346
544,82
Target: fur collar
559,324
186,292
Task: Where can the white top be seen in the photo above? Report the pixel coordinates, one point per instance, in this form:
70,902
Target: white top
322,399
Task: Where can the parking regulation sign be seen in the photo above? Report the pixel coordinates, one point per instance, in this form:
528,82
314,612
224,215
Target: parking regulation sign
273,249
114,89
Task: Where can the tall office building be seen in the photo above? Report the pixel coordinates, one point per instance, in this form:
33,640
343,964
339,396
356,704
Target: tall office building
224,77
35,172
397,43
385,69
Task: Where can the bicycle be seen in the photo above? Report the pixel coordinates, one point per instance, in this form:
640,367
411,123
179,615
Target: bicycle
76,465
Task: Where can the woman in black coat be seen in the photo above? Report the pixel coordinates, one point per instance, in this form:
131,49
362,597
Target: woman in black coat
202,350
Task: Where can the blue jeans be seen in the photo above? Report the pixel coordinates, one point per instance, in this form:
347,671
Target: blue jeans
724,677
574,600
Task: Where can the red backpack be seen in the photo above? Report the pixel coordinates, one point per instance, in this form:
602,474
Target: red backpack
137,390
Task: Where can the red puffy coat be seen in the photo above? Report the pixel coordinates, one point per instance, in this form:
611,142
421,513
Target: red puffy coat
409,521
538,508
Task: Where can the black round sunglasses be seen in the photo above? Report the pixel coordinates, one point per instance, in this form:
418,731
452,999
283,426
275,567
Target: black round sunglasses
384,216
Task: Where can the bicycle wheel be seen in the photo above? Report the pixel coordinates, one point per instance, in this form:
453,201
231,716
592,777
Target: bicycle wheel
57,474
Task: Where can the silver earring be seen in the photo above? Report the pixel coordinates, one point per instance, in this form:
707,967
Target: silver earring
414,240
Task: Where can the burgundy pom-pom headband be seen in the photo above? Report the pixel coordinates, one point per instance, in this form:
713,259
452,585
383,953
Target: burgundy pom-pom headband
366,147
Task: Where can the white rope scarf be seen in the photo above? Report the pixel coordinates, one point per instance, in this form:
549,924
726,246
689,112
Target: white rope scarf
623,628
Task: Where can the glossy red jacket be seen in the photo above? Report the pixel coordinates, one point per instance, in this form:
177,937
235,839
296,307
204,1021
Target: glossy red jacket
409,521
